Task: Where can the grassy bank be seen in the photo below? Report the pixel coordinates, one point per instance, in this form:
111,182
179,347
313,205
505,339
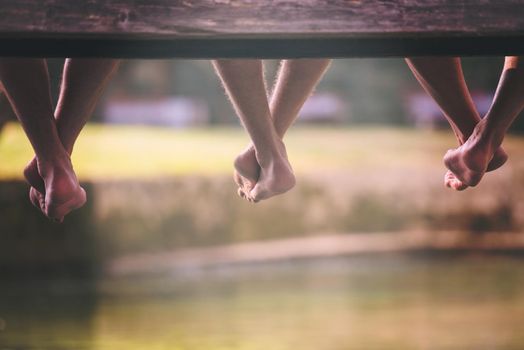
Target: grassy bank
104,152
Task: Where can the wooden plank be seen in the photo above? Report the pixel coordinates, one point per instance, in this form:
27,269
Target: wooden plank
264,28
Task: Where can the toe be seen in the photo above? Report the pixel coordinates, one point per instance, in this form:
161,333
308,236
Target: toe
33,198
37,199
448,178
458,185
238,179
451,181
241,193
256,194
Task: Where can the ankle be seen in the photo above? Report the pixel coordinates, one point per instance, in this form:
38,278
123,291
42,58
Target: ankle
66,139
465,131
273,154
464,134
265,159
56,161
486,136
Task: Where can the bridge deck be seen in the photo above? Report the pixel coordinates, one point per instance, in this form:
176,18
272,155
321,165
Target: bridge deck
262,28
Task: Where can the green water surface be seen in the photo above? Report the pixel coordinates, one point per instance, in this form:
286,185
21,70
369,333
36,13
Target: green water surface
367,302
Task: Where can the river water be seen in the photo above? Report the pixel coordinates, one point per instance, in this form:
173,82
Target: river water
378,301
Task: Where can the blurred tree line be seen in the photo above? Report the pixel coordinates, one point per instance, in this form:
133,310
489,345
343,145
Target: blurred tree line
376,89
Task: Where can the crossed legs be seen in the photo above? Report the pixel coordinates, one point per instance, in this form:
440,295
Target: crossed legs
443,79
26,84
54,186
471,160
244,84
295,82
83,82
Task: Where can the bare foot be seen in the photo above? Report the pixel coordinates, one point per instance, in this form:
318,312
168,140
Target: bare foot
276,176
451,181
470,161
37,199
62,191
57,206
33,177
499,158
247,171
37,190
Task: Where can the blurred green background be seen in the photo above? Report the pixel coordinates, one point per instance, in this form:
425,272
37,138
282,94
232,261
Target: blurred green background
369,251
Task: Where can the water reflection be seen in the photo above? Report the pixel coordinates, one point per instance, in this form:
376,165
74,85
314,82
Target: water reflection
47,315
47,276
379,301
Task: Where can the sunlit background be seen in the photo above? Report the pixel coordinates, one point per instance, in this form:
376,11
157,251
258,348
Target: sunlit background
369,251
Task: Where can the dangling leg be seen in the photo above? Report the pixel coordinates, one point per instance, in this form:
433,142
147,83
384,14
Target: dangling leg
83,82
244,84
295,82
470,161
443,79
26,83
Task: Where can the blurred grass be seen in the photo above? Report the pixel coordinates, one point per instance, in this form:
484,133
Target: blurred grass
155,189
126,151
104,152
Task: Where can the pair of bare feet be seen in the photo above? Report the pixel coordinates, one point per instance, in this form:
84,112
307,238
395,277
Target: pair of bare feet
259,179
263,170
479,139
55,189
482,151
54,186
468,163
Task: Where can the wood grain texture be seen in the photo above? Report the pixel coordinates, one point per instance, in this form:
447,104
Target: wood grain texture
264,28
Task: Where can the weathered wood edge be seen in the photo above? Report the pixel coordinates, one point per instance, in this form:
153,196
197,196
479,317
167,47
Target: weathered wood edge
260,29
274,48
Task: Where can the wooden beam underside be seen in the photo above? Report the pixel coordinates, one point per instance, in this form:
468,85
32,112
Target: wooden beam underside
264,29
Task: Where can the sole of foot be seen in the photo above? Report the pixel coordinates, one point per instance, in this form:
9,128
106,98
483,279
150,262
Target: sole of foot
37,190
469,162
246,172
57,210
499,159
63,193
37,199
452,182
276,176
32,176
